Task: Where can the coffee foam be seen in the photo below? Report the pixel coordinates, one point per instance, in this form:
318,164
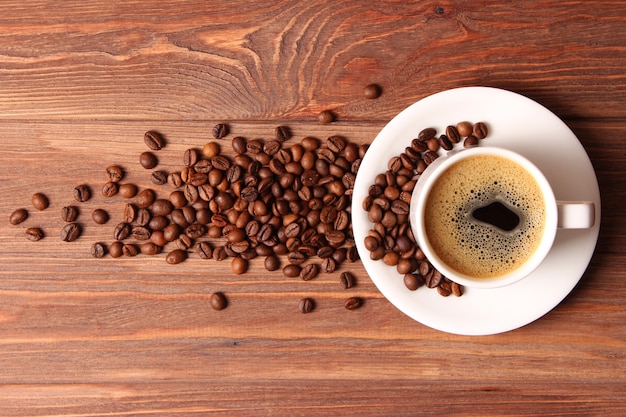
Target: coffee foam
470,246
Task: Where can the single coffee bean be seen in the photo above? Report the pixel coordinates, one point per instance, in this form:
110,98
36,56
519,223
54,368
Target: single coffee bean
130,249
190,157
98,250
325,117
114,173
34,234
154,140
353,303
282,133
291,270
329,265
218,301
115,249
122,231
453,134
371,91
148,160
158,177
100,216
40,201
433,278
128,190
221,163
464,128
347,280
309,271
204,250
140,233
174,180
70,232
220,130
271,147
109,189
444,289
184,242
211,150
470,141
176,256
480,130
18,216
143,217
306,305
145,198
457,289
150,248
336,143
426,134
272,262
69,213
429,157
445,142
239,265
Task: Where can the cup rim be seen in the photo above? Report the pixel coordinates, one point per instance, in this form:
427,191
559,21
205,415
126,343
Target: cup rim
423,187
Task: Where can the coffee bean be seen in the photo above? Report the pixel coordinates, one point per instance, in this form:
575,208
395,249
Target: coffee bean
426,134
34,234
457,289
353,303
69,213
336,143
98,250
433,278
109,189
429,157
70,232
347,280
272,263
204,250
291,270
174,179
453,134
445,142
114,173
184,242
130,250
158,177
40,201
413,281
480,130
115,249
150,248
239,265
176,256
143,217
145,198
100,216
470,141
218,301
148,160
221,163
154,140
140,233
18,216
329,265
309,271
128,190
371,91
306,305
325,117
190,157
220,130
282,133
122,231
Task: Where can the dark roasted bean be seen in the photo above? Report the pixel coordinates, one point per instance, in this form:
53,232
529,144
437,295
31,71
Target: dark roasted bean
154,140
70,232
220,130
34,234
353,303
306,305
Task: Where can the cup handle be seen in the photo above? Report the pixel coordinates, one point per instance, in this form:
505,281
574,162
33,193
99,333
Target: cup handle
576,214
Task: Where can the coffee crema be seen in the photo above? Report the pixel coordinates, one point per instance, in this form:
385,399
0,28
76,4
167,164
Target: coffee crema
487,216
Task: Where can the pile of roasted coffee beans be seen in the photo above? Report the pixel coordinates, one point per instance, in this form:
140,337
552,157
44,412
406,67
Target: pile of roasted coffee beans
275,200
387,204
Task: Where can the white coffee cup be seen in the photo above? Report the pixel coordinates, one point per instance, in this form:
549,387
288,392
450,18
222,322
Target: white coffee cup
423,212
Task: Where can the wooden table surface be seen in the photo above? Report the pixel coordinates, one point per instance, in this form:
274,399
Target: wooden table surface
80,83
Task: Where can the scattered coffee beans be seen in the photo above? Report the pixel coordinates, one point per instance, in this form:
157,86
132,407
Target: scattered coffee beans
391,239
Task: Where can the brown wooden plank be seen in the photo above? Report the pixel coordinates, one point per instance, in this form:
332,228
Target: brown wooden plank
243,60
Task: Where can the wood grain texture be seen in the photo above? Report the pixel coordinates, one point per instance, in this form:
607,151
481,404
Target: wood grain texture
80,82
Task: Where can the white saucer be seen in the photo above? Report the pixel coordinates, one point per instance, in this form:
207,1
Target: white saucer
522,125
